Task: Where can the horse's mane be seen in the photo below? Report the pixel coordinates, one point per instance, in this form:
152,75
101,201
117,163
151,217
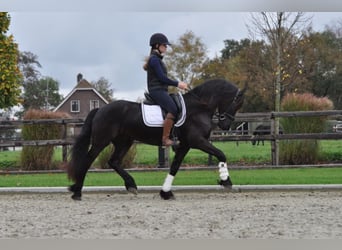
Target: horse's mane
216,87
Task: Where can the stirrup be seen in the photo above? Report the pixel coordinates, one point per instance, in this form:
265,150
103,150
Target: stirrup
168,142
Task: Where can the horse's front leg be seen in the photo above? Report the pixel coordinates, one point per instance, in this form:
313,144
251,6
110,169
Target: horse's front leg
166,192
207,147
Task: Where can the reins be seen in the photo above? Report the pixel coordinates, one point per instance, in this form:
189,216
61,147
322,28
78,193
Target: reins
190,92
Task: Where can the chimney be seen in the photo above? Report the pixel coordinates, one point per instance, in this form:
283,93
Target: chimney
79,77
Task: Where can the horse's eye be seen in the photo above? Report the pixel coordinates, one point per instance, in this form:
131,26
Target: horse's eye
222,117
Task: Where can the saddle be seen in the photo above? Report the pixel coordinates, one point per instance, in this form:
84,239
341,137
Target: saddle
154,115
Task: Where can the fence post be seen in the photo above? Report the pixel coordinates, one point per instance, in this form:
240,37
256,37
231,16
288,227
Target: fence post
274,143
65,147
163,157
210,157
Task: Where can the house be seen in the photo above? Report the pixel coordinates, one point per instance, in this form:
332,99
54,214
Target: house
81,99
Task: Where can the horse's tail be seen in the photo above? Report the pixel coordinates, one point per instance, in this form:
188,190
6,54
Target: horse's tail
75,167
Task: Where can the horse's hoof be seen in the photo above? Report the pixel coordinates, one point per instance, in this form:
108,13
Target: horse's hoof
76,197
132,190
77,194
71,188
226,184
167,195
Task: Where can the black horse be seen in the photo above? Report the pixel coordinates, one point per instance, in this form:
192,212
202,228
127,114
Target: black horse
121,123
260,131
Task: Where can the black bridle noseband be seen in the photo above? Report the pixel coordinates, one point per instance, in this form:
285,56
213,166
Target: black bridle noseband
224,116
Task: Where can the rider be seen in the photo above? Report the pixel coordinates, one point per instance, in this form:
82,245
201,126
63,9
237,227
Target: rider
158,82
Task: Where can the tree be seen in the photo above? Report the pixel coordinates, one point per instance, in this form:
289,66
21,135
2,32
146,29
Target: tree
9,72
104,88
187,57
29,64
326,65
52,97
232,47
39,92
282,32
43,94
279,28
244,61
252,64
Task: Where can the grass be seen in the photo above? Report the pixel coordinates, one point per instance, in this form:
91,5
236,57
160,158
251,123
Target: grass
242,153
238,154
147,155
186,177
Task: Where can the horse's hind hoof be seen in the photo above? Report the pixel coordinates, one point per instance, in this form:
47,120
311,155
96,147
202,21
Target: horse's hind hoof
132,190
226,184
166,195
72,188
76,193
76,197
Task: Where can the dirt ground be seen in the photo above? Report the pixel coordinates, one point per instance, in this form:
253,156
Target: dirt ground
211,215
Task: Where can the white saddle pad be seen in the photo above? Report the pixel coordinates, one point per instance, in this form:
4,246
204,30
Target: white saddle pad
152,115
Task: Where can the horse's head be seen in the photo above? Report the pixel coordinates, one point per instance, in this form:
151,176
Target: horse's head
221,95
228,110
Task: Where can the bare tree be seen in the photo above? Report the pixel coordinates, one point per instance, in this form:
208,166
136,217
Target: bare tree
278,28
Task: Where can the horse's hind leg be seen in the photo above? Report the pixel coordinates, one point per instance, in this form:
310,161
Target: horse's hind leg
85,165
121,149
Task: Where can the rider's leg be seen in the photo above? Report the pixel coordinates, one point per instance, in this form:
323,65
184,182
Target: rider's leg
167,126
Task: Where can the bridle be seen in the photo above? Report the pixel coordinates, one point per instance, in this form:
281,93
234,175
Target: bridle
225,115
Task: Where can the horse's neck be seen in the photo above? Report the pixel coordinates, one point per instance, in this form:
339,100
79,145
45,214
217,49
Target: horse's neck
207,103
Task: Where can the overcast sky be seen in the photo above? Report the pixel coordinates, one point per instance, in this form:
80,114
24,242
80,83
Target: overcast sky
113,43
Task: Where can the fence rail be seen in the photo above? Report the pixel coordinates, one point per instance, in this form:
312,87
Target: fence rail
217,135
64,141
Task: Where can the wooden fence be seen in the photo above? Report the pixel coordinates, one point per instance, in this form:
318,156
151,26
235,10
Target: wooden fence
64,141
273,137
217,135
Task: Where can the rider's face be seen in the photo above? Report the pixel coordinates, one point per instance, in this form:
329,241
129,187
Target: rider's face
163,48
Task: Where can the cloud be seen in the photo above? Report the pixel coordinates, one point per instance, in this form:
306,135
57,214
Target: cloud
113,44
108,44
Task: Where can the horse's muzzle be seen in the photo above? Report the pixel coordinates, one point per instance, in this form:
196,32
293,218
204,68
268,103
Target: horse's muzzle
225,121
224,125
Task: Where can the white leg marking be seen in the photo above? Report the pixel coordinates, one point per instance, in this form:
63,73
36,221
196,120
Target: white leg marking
223,170
168,183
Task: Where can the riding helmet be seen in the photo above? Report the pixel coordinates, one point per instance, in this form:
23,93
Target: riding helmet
159,38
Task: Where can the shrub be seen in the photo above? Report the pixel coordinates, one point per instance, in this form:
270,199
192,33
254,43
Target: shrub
105,155
302,151
40,157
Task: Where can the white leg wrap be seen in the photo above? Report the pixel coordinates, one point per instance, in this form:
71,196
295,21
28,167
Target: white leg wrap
223,170
168,183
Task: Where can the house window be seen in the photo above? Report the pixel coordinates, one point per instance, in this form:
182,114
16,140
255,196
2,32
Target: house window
94,104
75,106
